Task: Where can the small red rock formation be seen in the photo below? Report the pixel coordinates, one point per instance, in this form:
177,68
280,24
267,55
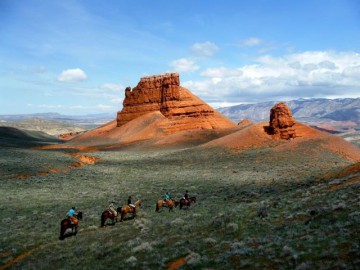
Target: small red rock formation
163,93
282,122
245,122
70,135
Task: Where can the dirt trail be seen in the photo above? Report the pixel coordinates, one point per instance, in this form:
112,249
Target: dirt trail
176,264
82,161
22,256
25,254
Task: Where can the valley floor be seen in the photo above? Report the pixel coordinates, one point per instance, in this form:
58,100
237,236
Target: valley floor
257,209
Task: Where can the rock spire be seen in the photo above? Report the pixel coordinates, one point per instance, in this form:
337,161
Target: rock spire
282,122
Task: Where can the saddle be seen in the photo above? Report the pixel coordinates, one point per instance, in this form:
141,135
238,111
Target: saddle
186,200
73,220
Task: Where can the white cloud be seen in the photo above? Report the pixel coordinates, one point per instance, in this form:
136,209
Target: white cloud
299,75
112,87
79,107
250,42
206,49
72,75
103,107
184,65
46,106
221,72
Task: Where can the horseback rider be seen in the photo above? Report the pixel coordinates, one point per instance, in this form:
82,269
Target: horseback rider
72,215
112,209
131,204
167,197
186,195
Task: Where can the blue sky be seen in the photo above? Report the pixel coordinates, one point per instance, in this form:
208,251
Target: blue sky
77,57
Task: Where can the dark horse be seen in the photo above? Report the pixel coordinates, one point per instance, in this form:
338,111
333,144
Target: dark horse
170,204
67,224
108,214
185,202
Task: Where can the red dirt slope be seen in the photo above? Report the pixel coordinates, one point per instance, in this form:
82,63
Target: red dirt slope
255,136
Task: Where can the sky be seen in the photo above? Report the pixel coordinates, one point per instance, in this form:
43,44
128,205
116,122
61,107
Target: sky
76,57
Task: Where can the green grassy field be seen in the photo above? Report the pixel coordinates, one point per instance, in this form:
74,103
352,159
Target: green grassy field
255,210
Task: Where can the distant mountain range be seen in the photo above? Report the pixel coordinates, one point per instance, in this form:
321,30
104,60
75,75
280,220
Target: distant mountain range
305,110
330,114
83,121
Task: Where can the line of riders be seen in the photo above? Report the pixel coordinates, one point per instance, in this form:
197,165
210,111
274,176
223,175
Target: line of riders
73,214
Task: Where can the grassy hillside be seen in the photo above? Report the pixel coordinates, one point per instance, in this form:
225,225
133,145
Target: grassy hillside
257,209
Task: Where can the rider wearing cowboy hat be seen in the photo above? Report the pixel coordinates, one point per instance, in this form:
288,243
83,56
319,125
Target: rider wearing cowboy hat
112,209
186,195
131,204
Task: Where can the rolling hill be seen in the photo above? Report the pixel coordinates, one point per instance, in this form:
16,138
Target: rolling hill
13,137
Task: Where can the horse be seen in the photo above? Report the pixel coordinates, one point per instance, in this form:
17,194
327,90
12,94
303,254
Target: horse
128,209
170,204
67,224
184,202
109,214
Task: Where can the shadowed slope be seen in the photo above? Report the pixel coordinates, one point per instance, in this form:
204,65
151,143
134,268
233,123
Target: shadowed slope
13,137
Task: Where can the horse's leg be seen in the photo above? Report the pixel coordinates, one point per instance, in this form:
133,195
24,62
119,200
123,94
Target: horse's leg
102,220
62,231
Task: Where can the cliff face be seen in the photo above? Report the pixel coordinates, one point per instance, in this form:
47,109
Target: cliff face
163,93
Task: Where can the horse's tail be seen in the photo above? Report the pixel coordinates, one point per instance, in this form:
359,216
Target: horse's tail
62,229
103,219
157,207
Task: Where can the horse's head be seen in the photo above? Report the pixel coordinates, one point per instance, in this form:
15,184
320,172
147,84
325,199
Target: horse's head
118,209
176,203
193,199
79,215
138,203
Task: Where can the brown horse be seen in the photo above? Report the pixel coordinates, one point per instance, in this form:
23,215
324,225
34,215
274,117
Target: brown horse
128,209
109,214
67,224
170,204
184,202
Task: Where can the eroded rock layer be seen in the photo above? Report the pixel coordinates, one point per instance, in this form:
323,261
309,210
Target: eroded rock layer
163,93
281,122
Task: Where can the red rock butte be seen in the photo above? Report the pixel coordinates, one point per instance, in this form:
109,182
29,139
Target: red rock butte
281,122
163,93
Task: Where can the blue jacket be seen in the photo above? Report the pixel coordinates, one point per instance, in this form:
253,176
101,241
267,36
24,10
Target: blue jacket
71,212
